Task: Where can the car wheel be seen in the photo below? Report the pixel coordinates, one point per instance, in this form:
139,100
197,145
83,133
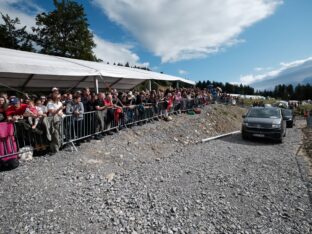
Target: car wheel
280,140
291,124
244,136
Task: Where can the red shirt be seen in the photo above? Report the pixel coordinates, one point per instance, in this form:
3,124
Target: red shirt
170,102
13,110
33,110
108,102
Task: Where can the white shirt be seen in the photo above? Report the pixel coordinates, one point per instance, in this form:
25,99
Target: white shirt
54,106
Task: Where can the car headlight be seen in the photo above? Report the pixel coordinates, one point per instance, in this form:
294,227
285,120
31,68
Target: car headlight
276,125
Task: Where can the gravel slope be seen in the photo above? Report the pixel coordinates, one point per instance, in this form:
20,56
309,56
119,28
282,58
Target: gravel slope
114,186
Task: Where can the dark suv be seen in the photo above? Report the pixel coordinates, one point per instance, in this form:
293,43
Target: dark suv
264,122
289,117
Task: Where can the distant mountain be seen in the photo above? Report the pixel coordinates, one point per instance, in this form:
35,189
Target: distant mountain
290,74
307,81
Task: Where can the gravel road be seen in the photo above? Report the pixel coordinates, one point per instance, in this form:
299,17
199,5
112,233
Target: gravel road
223,186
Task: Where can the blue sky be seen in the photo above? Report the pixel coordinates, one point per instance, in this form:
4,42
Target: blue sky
238,41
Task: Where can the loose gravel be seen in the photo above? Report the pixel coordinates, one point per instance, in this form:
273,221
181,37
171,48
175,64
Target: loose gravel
146,181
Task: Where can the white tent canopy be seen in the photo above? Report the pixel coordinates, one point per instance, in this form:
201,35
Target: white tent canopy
26,70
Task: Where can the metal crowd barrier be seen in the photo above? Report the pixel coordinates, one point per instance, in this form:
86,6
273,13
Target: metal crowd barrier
74,129
122,117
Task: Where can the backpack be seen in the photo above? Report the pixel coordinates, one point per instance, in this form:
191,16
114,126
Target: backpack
197,110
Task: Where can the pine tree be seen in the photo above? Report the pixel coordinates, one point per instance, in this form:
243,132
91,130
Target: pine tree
12,37
64,31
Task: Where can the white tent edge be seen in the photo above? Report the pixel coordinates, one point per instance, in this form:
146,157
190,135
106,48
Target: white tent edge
20,69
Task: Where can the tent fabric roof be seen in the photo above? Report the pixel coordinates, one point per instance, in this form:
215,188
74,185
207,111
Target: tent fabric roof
20,69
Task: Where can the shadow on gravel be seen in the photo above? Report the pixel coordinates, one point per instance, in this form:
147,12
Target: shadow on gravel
237,139
5,169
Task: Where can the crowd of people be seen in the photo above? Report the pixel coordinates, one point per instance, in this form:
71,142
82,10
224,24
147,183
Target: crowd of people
85,114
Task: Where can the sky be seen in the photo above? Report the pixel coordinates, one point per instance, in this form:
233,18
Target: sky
236,41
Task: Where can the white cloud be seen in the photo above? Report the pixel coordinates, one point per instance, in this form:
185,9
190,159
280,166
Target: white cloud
295,71
262,69
183,72
116,53
178,30
259,68
25,10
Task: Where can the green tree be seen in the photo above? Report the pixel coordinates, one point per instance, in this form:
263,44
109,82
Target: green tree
64,31
13,37
290,91
204,85
228,88
199,84
307,91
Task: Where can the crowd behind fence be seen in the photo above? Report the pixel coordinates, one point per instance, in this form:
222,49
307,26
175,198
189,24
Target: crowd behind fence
52,131
45,125
88,126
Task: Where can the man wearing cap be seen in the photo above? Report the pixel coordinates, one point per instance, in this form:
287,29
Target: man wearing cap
55,107
15,113
15,110
55,111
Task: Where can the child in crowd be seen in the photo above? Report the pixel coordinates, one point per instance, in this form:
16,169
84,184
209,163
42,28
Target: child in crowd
34,114
42,109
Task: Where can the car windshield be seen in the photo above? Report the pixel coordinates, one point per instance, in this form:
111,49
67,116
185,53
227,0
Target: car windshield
264,113
287,112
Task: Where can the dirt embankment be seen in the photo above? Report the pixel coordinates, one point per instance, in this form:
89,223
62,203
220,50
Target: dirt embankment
156,138
213,120
307,145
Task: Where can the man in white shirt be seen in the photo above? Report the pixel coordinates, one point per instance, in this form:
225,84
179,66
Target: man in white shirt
55,112
55,107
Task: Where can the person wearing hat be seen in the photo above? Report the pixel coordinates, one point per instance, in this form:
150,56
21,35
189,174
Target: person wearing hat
130,99
15,110
54,89
55,111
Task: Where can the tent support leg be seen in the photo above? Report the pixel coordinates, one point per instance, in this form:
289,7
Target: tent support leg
177,85
96,85
150,85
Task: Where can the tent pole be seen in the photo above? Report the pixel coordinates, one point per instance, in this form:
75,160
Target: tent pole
96,85
177,85
150,85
